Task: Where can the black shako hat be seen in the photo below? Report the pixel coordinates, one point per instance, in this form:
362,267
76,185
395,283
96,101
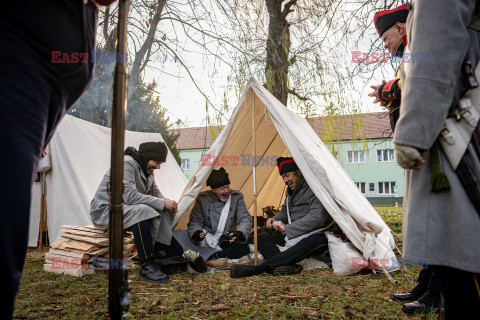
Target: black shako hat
154,151
286,165
384,20
218,178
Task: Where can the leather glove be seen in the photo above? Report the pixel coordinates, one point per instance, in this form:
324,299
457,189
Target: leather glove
405,155
196,236
240,237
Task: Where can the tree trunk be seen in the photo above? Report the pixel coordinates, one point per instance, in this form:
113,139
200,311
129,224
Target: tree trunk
143,54
278,48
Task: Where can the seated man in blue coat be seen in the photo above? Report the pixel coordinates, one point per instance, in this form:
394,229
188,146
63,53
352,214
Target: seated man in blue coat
302,218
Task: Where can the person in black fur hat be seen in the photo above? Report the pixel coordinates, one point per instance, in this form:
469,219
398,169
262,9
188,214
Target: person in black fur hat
147,211
302,219
219,223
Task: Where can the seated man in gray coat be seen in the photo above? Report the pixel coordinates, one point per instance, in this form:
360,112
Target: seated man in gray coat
219,223
146,210
302,218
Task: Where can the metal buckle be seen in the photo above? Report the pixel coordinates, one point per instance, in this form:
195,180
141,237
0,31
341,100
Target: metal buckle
447,136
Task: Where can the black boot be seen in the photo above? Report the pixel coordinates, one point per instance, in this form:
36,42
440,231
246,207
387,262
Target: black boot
160,250
244,270
287,270
172,265
150,271
426,303
413,295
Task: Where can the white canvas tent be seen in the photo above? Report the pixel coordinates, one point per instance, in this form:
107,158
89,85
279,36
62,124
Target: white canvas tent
80,156
280,132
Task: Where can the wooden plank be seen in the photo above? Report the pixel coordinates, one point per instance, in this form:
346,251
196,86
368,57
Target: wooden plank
73,246
86,228
57,244
85,233
80,245
97,241
128,247
73,272
67,262
67,254
99,252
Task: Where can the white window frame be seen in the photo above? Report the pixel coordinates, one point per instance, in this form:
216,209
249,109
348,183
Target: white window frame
360,185
182,164
382,187
385,155
355,156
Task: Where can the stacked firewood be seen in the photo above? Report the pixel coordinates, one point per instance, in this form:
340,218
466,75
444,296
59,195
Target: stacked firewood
84,250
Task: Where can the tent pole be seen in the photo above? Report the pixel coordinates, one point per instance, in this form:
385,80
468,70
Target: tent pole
118,298
255,240
42,211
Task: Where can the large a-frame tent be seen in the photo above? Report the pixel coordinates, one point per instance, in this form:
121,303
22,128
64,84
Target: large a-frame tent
80,156
277,132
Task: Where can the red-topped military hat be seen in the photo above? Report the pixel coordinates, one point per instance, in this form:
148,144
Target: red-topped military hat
384,20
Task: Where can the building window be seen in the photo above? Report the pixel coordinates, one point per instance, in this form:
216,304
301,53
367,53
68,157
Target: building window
185,165
360,186
355,157
371,186
386,187
385,155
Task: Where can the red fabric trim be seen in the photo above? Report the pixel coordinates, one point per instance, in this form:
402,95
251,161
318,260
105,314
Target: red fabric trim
385,12
388,86
284,162
404,39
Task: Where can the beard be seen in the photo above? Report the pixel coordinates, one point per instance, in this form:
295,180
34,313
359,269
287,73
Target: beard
150,169
223,198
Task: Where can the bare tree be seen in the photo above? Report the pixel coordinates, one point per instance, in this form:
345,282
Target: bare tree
300,49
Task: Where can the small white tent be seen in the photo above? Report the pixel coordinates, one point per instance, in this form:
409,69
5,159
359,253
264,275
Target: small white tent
80,156
278,132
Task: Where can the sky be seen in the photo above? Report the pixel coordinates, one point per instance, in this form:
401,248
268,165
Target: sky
182,100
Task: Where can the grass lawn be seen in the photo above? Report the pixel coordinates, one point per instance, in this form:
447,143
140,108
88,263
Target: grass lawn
317,294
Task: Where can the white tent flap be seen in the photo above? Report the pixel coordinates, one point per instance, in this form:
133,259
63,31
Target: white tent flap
80,156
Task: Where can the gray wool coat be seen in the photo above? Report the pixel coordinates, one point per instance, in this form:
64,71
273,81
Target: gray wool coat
306,211
207,209
142,201
438,228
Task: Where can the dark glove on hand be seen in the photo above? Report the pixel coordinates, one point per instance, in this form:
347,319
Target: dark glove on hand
240,237
196,236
